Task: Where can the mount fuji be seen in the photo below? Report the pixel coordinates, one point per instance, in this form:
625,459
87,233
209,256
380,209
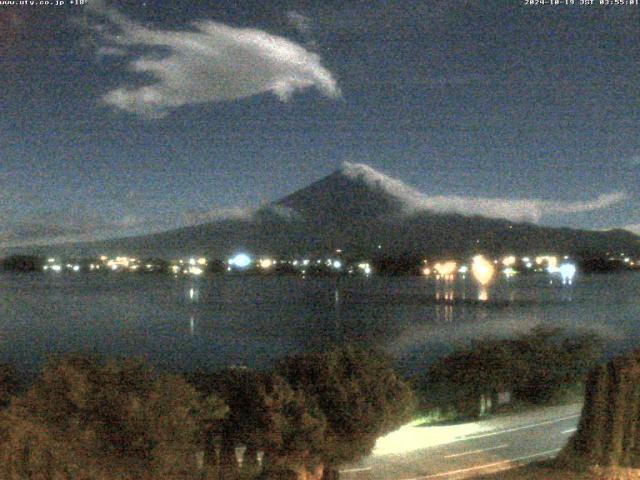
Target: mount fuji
364,213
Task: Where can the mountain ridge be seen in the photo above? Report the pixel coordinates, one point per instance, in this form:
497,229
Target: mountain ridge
358,209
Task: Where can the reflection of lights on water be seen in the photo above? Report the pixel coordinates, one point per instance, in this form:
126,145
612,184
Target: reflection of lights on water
483,294
192,324
192,293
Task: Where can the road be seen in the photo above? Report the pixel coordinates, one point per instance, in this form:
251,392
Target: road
467,450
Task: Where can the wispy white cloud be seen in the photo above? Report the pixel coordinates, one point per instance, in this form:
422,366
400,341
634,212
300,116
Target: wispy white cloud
210,62
532,210
111,52
633,227
217,214
59,226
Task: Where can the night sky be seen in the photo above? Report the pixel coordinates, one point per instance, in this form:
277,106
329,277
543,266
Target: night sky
129,117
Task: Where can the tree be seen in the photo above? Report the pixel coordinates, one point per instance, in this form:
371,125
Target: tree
535,367
266,414
84,418
9,384
360,395
609,429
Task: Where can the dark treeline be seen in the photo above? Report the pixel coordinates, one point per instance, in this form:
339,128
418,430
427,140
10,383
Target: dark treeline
22,263
88,418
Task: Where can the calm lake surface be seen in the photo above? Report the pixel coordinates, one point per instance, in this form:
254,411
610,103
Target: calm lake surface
215,321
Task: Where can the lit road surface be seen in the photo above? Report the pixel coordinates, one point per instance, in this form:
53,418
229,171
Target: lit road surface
470,449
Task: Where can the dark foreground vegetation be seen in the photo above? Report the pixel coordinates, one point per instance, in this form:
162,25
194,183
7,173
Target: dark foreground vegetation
87,418
609,429
545,365
84,418
606,445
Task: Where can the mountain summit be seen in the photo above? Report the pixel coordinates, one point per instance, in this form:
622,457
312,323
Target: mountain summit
362,211
353,192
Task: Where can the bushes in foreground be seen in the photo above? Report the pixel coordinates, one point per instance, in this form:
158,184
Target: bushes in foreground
85,418
536,367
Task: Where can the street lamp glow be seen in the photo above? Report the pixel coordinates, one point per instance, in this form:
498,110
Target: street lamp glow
365,267
446,269
509,272
509,261
193,270
241,260
265,263
483,270
567,272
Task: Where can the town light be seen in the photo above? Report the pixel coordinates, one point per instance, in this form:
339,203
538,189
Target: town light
567,272
241,260
193,270
365,267
509,261
483,270
446,269
265,263
509,272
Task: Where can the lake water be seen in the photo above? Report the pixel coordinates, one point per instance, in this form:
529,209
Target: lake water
215,321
